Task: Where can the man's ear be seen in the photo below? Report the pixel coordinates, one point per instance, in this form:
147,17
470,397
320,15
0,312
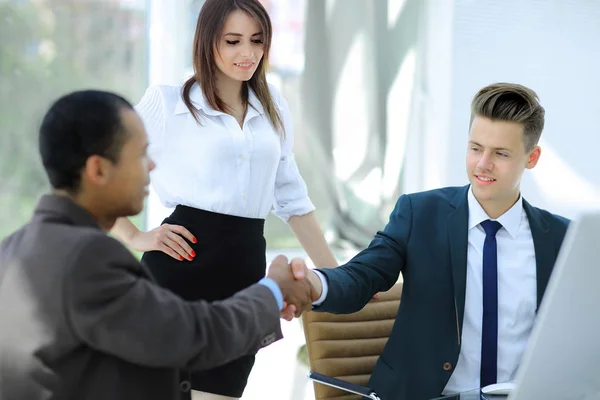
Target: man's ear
97,170
534,157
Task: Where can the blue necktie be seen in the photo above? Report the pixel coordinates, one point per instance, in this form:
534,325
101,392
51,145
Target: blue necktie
489,337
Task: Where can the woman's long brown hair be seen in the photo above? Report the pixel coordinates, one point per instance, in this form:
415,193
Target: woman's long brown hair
208,31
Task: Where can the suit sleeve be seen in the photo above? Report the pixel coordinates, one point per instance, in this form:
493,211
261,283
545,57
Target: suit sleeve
114,308
375,269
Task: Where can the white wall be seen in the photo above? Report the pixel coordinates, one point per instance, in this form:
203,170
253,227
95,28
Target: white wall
551,46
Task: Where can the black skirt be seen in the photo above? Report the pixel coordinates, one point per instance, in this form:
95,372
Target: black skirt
230,256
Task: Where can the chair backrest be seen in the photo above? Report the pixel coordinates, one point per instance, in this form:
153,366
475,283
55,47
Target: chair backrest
348,346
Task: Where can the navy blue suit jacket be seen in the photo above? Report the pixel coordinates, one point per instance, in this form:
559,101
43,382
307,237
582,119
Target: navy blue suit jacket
426,240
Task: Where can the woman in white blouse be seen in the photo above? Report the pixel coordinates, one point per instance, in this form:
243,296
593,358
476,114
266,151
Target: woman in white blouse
222,144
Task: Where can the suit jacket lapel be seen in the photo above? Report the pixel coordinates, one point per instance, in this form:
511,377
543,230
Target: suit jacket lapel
544,249
458,222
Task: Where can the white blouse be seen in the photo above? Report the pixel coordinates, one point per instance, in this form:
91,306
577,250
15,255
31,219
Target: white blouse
218,166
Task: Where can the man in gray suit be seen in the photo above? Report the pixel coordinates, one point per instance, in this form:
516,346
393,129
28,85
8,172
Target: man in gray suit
80,318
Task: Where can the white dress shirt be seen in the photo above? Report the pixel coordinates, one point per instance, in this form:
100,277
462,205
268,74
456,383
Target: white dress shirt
218,166
517,296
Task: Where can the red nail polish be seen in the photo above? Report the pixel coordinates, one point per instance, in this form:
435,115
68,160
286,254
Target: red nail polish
194,240
193,253
180,258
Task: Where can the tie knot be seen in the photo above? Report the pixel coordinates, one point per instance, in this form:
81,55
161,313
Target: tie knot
491,227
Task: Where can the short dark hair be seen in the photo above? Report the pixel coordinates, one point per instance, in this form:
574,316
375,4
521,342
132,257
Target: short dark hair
77,126
514,103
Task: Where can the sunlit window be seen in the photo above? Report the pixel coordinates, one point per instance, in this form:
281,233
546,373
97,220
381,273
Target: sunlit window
48,48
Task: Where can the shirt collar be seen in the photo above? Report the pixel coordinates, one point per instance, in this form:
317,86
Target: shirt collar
199,101
510,220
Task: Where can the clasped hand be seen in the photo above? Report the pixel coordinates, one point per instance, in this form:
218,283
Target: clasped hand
292,278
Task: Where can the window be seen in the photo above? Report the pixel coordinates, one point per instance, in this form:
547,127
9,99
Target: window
47,51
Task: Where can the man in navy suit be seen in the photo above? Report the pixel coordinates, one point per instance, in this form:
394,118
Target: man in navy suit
475,262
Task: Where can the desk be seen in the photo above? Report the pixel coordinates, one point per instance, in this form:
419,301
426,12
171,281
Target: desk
472,395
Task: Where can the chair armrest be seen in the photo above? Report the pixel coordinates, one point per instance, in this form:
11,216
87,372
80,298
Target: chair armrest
343,385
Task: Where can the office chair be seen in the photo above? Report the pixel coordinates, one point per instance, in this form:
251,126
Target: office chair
343,349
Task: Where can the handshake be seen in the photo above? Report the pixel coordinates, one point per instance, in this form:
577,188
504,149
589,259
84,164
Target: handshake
299,285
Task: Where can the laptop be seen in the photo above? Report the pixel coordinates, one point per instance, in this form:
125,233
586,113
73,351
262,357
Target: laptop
562,359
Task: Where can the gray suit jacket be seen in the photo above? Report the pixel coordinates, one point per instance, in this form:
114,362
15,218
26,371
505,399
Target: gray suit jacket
81,319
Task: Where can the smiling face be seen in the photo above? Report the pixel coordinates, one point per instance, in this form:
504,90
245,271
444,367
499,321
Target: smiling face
496,159
240,48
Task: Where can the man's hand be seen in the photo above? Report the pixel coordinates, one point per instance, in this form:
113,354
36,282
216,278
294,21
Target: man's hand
301,271
297,293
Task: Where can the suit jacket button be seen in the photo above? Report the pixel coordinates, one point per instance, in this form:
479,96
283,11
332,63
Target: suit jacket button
447,366
185,386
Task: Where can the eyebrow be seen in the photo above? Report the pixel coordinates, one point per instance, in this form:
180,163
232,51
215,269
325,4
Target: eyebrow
240,35
495,148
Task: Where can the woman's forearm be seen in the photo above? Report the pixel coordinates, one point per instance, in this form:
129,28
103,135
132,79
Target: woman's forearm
124,229
309,234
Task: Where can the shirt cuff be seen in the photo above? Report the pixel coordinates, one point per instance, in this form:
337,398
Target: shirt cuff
274,288
324,288
296,208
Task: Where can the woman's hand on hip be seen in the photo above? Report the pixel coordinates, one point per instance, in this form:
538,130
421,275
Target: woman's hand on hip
170,239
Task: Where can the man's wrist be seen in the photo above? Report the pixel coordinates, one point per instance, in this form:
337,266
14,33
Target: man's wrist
315,282
320,287
274,288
